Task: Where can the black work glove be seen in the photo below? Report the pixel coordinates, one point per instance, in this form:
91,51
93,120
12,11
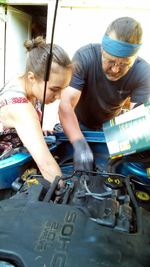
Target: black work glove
83,156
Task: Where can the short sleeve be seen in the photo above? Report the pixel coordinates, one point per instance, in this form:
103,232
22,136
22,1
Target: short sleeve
141,92
81,65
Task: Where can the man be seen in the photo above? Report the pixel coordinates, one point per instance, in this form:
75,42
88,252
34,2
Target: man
106,75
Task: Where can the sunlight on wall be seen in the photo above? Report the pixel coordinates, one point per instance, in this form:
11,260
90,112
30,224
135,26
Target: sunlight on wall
79,26
50,116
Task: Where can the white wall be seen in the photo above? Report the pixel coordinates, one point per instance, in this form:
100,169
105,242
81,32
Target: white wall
2,30
18,29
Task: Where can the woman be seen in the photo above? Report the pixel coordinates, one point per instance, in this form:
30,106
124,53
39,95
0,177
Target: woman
19,98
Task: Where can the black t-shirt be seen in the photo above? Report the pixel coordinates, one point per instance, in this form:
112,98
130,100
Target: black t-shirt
102,99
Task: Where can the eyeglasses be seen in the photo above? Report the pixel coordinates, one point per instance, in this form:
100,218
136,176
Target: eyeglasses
113,63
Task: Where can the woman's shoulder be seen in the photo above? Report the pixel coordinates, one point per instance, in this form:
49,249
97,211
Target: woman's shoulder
12,88
12,93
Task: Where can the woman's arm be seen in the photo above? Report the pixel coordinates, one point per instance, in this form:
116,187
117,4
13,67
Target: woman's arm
24,119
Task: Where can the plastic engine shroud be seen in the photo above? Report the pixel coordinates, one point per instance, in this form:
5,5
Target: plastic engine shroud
70,227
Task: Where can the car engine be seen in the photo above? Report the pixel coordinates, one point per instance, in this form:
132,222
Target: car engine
87,218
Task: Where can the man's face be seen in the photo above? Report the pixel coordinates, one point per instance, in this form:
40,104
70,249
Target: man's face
116,67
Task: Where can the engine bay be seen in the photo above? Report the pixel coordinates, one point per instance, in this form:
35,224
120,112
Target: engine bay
97,218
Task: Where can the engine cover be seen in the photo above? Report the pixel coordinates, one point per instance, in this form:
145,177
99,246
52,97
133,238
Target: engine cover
39,234
84,223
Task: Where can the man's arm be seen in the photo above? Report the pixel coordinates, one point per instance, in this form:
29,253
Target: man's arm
68,119
83,156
